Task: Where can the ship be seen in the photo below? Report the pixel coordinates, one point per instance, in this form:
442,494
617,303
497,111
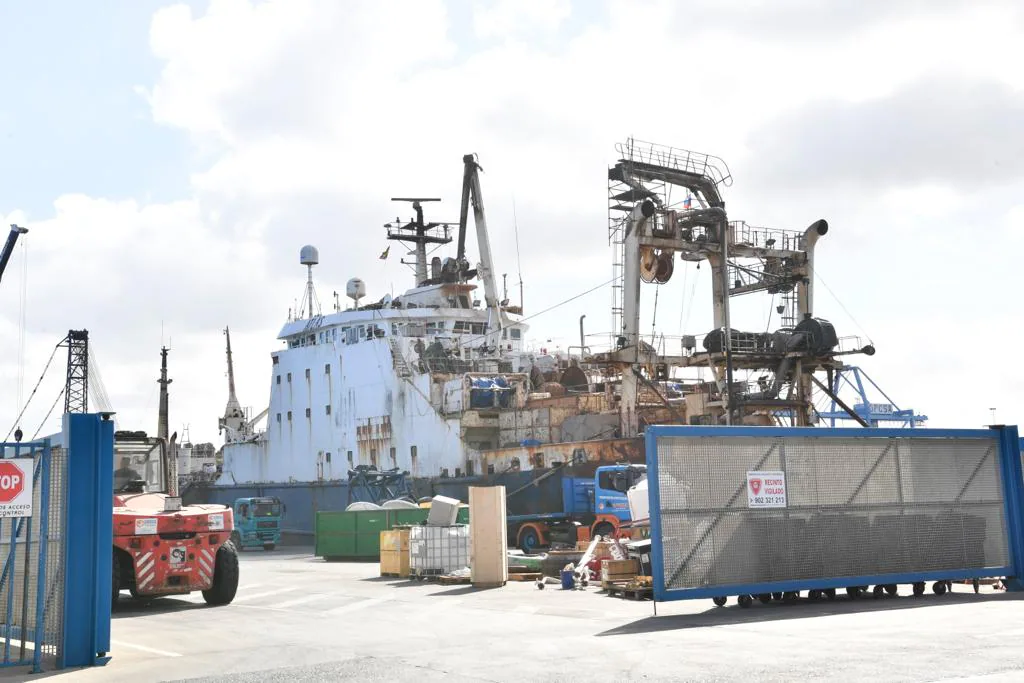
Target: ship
437,382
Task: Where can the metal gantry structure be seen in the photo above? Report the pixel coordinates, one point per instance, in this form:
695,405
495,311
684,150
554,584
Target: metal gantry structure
666,203
76,391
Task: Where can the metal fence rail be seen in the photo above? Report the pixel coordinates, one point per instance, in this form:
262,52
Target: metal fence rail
32,547
755,510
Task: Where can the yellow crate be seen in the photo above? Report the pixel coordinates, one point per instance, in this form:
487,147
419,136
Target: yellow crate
394,563
394,540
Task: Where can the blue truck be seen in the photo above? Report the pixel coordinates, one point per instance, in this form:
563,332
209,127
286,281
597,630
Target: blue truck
596,503
257,523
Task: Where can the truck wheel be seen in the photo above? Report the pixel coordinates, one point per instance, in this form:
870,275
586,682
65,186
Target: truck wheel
528,540
604,530
268,546
236,538
225,577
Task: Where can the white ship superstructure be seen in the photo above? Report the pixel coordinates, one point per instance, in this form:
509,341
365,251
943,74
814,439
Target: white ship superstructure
417,381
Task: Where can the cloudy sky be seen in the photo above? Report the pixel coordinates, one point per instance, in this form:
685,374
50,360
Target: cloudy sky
170,159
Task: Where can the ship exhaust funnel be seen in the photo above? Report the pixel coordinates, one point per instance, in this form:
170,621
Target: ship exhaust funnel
806,291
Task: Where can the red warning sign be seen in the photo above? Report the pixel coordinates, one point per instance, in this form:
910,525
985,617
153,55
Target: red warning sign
16,487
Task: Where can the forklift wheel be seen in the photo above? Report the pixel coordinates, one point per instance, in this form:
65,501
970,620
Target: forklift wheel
225,577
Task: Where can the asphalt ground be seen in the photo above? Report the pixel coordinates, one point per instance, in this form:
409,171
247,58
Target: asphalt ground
298,618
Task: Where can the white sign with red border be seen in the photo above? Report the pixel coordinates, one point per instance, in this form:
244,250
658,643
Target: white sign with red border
16,487
766,489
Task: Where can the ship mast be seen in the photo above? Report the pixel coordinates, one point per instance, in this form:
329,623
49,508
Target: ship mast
161,426
419,234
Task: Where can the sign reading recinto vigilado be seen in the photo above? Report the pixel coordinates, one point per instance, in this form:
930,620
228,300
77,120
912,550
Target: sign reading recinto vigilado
16,487
766,489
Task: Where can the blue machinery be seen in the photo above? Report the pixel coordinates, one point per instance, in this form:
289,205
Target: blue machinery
873,413
52,616
752,511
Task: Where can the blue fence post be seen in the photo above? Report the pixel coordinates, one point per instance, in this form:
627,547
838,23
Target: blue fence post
88,539
654,511
1013,485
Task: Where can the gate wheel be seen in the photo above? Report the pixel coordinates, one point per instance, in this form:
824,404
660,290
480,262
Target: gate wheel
745,600
830,593
879,591
919,589
719,600
939,587
765,598
892,588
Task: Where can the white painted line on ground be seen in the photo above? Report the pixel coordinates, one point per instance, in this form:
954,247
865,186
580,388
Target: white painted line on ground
297,601
265,594
143,648
370,602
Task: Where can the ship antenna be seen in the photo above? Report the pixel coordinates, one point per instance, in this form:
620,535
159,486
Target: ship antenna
519,264
309,257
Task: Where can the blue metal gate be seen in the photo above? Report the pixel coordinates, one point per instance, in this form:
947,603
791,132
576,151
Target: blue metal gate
31,549
756,510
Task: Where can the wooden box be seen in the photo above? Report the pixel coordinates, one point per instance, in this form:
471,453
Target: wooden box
619,570
394,553
488,552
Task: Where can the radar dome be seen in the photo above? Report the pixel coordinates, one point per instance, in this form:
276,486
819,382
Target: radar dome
309,256
355,289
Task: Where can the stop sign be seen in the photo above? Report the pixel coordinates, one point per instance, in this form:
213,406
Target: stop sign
12,481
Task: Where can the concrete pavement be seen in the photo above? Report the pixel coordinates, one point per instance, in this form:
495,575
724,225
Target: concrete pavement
297,618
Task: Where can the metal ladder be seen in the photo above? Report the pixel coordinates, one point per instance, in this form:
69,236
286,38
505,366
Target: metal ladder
401,365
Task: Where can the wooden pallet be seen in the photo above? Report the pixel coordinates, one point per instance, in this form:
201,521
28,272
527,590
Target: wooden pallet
525,576
631,593
449,580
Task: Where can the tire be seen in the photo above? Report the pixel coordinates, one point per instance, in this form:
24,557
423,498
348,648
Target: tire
604,530
719,600
236,539
225,577
268,546
528,540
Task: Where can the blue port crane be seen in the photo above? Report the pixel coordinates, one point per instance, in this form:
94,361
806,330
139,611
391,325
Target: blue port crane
873,413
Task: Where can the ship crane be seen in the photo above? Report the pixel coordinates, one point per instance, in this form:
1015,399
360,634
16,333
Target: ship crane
234,424
12,239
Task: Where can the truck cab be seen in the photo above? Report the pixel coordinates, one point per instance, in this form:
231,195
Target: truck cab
257,522
611,506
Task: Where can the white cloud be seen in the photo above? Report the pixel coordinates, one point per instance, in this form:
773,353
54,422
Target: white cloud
502,18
